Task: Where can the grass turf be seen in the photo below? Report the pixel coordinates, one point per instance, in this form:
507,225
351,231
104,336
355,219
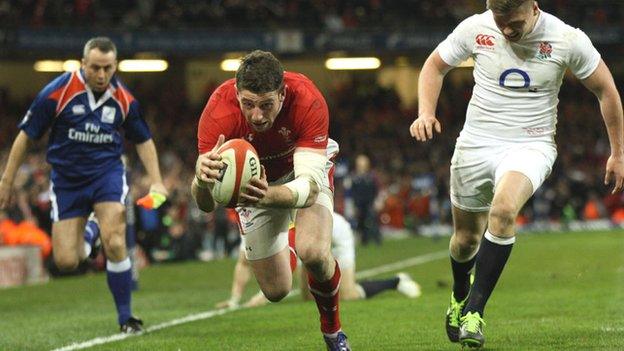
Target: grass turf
558,291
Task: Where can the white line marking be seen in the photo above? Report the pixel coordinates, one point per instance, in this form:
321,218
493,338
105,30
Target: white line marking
410,262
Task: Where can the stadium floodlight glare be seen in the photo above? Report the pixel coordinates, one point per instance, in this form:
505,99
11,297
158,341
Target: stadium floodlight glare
48,66
349,63
71,65
230,65
143,65
56,66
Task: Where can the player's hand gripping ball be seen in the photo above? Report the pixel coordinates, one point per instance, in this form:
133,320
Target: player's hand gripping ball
240,163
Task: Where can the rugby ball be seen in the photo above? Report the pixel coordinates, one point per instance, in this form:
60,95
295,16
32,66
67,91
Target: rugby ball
240,163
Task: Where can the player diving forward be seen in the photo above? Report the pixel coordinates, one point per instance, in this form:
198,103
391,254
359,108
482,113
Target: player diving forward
343,249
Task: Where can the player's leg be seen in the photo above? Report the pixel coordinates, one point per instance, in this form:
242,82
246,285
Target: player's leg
69,211
242,274
109,198
513,190
472,182
91,236
520,172
314,226
112,219
67,242
265,241
274,275
468,227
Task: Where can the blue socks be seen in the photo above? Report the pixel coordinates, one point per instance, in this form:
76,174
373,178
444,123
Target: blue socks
91,234
119,277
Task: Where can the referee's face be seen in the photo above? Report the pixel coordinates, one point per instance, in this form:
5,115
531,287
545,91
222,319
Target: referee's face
99,67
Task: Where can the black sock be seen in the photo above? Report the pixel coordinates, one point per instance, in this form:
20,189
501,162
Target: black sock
491,260
461,277
374,287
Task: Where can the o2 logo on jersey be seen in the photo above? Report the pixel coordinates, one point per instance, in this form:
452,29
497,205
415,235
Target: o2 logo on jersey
510,79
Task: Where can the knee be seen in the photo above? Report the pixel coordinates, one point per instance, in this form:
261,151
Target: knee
313,257
467,242
114,244
275,294
502,215
66,262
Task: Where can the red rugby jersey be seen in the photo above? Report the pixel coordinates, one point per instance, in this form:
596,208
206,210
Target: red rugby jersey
302,122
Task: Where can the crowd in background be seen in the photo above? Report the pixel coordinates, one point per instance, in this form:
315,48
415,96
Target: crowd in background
405,185
332,15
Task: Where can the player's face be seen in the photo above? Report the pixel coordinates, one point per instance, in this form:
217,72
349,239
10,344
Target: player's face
516,24
99,68
260,110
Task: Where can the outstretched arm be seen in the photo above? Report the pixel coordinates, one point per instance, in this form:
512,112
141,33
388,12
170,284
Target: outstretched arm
429,86
16,158
602,85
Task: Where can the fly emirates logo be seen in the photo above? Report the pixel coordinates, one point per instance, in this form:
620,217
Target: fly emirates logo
90,135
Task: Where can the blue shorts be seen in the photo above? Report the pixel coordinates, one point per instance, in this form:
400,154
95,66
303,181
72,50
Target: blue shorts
69,201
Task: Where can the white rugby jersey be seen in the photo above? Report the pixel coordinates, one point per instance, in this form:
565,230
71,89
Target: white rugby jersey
516,84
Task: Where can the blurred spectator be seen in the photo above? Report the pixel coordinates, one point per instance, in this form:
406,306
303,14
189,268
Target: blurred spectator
332,15
364,191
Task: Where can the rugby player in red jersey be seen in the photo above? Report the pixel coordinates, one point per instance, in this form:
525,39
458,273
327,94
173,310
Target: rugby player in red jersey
285,117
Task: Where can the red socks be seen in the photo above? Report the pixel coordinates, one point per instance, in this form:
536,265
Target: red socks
326,296
291,247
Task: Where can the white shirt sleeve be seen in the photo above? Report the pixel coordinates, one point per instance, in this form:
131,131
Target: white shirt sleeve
457,47
583,58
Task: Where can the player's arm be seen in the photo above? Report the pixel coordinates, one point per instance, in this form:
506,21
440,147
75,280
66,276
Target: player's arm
242,274
149,158
601,83
16,158
309,166
429,86
207,170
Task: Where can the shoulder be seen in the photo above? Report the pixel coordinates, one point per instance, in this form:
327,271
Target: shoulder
122,94
555,26
57,84
121,88
303,91
222,103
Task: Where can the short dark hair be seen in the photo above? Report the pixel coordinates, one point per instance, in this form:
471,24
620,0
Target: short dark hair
104,44
504,6
260,72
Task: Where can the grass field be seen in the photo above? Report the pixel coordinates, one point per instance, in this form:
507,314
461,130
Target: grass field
559,292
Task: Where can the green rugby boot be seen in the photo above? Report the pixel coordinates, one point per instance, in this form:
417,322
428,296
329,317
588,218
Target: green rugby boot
453,313
471,330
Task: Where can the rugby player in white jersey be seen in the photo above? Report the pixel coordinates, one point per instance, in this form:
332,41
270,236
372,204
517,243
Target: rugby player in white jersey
343,249
506,148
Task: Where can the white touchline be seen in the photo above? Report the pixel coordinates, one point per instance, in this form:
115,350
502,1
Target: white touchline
410,262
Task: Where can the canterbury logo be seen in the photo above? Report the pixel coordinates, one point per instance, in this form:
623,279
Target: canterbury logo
485,40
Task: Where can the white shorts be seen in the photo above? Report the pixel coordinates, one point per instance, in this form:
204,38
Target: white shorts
475,171
265,230
343,243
